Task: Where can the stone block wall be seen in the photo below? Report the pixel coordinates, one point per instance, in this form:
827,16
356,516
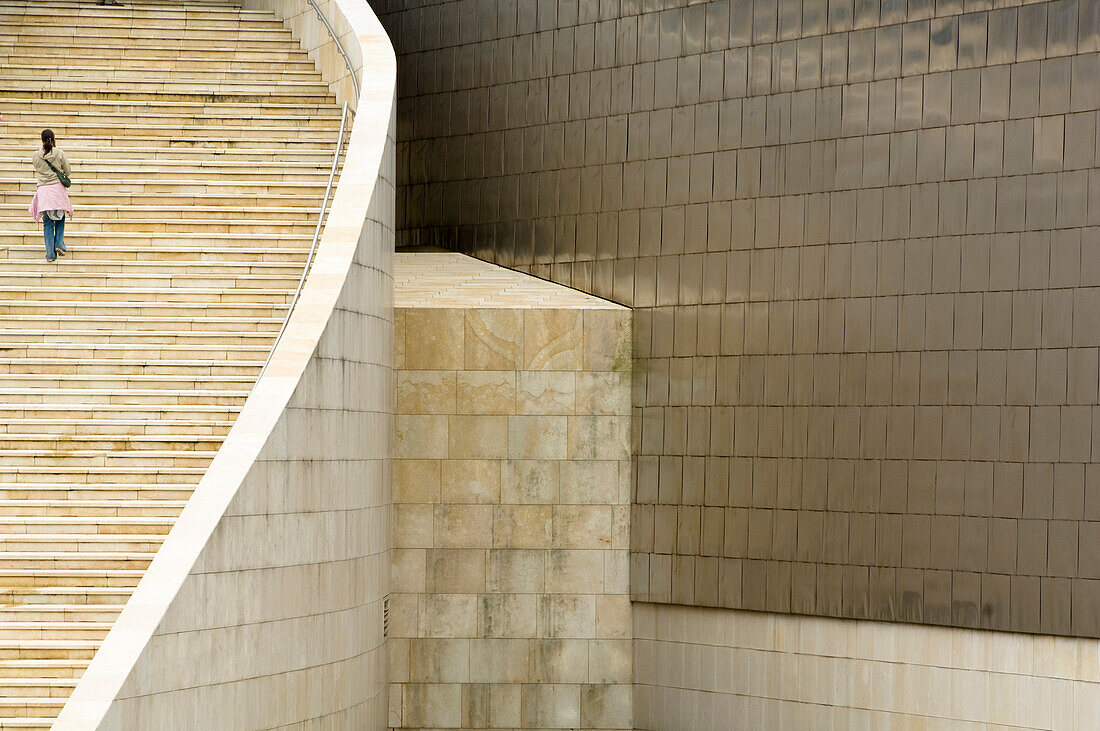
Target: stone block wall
510,599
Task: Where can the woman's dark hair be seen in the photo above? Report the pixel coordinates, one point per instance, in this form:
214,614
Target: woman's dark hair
47,140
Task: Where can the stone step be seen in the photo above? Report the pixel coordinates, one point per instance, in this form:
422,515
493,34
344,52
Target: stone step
42,668
58,612
217,7
41,562
123,199
193,325
91,443
111,294
132,15
70,528
96,492
40,576
107,276
71,550
99,475
102,397
42,54
226,134
176,186
58,107
150,426
64,435
86,458
99,167
231,355
185,215
36,688
65,631
32,249
128,507
137,31
107,86
18,713
118,308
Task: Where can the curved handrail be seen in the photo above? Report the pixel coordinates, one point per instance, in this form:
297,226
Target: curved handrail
316,237
339,47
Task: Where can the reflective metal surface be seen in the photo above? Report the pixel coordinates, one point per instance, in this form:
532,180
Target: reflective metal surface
862,241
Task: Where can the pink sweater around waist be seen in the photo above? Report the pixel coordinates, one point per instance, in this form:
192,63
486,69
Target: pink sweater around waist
51,197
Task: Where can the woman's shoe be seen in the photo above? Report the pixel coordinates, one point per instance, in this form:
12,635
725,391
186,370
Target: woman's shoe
61,252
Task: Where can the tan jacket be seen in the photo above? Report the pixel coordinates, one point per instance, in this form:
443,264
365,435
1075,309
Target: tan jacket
42,170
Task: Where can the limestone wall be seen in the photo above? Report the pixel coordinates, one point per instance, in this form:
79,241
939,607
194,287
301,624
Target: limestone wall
264,607
510,604
717,669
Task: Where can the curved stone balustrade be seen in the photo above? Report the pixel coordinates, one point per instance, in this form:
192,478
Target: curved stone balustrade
264,607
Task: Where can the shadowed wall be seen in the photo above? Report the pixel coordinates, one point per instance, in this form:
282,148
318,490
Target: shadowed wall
860,240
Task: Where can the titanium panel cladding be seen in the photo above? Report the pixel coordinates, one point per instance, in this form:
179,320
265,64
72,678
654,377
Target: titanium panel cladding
862,242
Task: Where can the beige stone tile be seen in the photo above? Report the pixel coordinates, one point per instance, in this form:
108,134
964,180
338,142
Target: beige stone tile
522,526
434,339
575,572
416,480
607,340
432,705
426,392
603,393
407,572
613,616
398,338
552,340
546,392
463,526
448,615
397,659
504,706
517,570
470,481
590,482
478,437
610,661
559,661
538,437
487,392
506,615
413,526
420,437
530,481
611,706
404,615
567,616
494,339
599,437
582,526
499,660
440,661
550,706
455,570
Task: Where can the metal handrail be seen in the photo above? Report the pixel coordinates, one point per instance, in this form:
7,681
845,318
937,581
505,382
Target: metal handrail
340,47
316,238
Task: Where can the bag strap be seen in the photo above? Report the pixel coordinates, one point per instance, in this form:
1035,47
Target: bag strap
55,170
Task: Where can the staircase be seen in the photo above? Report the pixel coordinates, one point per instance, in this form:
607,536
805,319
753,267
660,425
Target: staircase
201,138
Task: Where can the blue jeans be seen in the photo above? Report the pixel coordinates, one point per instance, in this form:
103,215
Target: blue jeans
55,236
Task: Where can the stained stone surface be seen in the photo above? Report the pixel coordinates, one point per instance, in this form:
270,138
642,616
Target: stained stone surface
510,603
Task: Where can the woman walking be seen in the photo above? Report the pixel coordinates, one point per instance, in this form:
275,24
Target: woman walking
51,201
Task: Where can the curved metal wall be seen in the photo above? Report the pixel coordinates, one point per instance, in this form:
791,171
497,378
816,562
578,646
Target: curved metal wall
264,607
860,239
